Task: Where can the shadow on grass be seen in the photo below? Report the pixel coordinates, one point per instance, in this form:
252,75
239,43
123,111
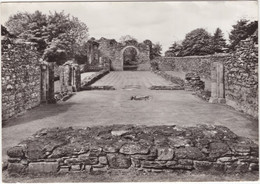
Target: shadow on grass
37,113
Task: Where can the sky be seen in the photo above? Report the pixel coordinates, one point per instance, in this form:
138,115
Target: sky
163,22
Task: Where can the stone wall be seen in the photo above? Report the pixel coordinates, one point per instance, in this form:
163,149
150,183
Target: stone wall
202,148
198,64
21,77
113,50
240,73
241,78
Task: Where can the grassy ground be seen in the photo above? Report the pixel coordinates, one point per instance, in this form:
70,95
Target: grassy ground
131,176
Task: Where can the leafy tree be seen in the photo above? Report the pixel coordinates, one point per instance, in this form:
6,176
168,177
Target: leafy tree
174,50
241,30
219,43
197,42
58,36
156,50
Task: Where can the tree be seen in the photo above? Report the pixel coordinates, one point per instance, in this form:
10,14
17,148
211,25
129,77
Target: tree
241,30
174,50
197,42
58,36
218,41
156,50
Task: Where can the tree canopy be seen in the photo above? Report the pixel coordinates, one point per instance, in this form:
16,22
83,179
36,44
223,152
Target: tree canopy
156,50
241,30
58,35
197,42
218,41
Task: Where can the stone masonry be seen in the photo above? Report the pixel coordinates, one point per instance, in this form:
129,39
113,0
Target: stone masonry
241,78
240,74
201,148
21,77
113,50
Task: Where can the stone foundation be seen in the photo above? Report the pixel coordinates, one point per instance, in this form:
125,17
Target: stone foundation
202,148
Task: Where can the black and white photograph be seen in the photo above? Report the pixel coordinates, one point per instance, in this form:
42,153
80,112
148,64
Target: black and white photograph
129,91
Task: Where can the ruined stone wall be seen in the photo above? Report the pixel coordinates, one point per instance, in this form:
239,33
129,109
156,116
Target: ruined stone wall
240,73
241,78
202,148
21,78
199,64
114,51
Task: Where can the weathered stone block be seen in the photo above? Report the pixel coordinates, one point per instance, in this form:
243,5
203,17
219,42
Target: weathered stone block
118,161
43,167
110,149
151,156
242,167
185,162
165,153
253,167
119,132
88,168
34,151
14,160
72,161
95,152
171,164
218,149
100,169
134,148
16,168
136,162
102,160
75,167
15,152
218,167
87,160
227,159
240,148
177,142
189,153
64,169
202,165
154,164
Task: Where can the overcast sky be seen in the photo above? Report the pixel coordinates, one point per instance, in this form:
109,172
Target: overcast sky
163,22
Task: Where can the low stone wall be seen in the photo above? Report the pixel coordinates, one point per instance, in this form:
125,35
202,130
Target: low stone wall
21,77
93,78
201,148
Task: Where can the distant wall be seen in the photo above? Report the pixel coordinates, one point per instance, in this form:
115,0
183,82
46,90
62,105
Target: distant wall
199,64
21,77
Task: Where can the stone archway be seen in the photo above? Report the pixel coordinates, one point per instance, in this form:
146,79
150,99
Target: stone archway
130,58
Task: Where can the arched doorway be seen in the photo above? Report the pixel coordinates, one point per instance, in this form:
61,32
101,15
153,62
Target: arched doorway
130,60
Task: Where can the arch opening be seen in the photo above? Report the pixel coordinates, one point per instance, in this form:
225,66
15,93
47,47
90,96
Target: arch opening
130,61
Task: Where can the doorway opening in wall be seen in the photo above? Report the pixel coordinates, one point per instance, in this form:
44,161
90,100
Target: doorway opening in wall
130,59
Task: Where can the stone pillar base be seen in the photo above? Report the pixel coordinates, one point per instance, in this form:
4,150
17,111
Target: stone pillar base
217,100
